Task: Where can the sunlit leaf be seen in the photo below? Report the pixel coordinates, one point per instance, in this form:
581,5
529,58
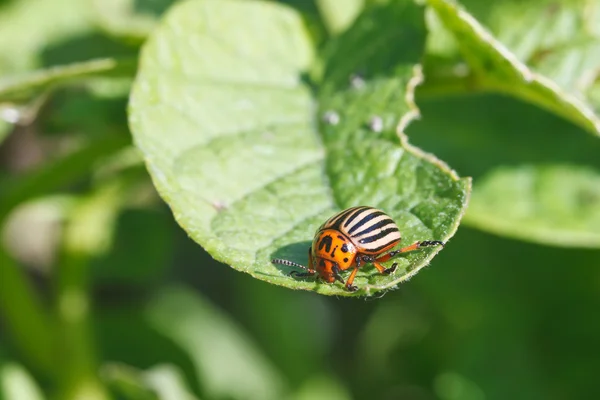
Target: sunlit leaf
552,38
17,383
230,135
27,27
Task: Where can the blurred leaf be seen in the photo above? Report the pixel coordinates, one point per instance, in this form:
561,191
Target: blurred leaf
5,129
17,384
167,381
25,317
124,334
23,86
339,15
558,205
481,132
93,219
162,382
485,132
243,168
562,39
53,175
227,362
125,383
131,19
322,388
28,26
495,68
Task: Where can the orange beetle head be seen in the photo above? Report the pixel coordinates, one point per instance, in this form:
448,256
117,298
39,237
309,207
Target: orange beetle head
329,248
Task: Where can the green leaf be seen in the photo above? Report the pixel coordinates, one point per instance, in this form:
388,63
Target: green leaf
20,87
484,132
560,40
322,387
558,205
236,142
534,30
131,19
5,129
27,27
339,15
162,382
25,317
17,383
228,364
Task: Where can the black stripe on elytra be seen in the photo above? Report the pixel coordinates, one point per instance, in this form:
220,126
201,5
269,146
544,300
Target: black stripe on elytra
354,215
365,220
378,249
379,225
335,221
326,241
382,234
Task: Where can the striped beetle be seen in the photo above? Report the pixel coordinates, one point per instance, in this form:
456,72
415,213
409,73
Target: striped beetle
350,239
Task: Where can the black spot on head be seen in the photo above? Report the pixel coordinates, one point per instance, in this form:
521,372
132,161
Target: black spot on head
341,237
345,248
345,260
333,252
326,241
322,263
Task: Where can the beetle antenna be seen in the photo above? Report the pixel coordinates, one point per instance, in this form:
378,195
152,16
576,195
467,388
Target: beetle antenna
288,263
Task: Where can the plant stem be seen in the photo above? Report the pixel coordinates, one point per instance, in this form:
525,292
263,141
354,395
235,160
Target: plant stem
87,234
27,320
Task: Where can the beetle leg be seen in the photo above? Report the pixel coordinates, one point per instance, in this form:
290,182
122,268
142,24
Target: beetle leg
412,247
350,280
383,270
336,273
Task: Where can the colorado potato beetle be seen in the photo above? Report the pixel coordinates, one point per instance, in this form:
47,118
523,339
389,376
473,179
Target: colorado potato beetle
350,239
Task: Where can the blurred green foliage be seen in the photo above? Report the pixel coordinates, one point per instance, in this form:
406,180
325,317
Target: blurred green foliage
103,295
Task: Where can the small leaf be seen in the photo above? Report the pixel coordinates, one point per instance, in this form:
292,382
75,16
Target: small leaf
5,129
27,27
558,205
249,166
228,364
322,387
131,19
161,382
339,15
17,383
495,67
22,87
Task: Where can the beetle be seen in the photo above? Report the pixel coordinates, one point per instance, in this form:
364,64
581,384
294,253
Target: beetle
350,239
